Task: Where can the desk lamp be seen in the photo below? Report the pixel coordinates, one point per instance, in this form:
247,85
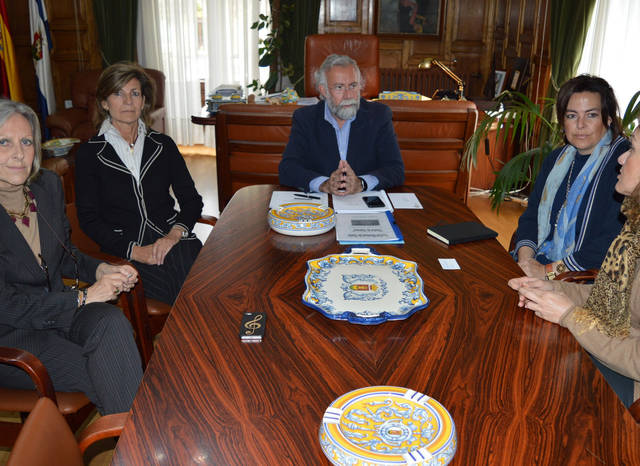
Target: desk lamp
426,64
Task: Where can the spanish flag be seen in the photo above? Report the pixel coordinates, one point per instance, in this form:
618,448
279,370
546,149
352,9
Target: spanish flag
8,67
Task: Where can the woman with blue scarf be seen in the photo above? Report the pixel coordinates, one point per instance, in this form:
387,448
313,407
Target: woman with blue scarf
574,212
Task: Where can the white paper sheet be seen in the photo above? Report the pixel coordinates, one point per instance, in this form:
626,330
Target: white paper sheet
405,201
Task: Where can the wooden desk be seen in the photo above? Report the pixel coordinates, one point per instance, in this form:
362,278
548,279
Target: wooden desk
204,121
520,390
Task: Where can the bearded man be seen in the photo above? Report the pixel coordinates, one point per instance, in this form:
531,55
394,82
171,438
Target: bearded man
343,144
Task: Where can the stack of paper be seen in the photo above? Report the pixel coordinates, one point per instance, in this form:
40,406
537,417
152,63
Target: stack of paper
368,228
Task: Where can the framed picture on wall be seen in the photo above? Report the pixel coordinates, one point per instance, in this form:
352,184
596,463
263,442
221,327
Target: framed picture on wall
500,76
409,17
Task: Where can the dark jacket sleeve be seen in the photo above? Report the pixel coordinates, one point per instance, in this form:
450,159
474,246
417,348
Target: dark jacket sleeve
604,221
88,195
183,188
293,168
24,297
389,165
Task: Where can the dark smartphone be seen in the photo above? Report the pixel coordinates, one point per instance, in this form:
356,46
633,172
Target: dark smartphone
373,201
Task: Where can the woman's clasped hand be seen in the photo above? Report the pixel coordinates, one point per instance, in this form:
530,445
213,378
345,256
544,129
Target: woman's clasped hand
538,295
111,280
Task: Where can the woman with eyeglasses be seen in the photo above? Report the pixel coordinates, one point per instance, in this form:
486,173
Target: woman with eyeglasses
86,344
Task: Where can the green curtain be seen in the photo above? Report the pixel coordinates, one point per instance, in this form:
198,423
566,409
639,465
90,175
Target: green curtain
116,22
303,21
570,20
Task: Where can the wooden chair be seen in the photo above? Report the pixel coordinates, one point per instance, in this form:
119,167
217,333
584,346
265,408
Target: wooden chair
363,48
46,438
75,407
432,136
250,140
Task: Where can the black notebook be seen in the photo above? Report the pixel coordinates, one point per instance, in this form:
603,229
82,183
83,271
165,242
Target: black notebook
461,232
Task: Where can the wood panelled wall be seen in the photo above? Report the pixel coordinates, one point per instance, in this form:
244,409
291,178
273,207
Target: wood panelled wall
480,35
75,44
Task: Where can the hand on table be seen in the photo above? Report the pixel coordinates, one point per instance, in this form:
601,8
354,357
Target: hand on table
538,295
342,181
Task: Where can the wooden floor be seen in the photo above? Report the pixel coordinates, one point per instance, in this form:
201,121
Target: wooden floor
202,166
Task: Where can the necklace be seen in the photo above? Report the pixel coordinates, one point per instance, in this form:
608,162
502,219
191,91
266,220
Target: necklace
566,195
29,206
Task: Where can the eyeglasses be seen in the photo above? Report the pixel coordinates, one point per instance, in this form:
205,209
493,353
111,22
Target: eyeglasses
342,88
44,267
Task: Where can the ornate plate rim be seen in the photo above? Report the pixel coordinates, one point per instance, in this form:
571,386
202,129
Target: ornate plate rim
351,316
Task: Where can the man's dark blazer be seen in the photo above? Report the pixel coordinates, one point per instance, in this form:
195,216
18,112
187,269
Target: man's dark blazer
25,302
312,149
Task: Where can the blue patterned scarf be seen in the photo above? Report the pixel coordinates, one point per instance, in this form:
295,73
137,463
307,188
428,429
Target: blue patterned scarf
563,242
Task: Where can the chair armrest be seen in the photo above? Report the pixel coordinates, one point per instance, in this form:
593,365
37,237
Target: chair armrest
110,425
32,366
578,276
208,219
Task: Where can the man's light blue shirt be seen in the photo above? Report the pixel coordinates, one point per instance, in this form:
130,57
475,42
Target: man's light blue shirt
342,135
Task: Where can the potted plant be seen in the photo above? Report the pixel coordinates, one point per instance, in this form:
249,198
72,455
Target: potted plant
269,51
526,123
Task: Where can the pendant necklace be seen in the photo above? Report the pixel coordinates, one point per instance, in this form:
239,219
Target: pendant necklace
29,206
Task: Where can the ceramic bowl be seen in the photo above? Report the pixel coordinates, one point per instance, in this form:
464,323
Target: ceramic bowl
302,219
59,147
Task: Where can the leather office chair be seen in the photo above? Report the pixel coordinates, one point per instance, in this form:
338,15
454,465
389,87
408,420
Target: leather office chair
46,438
77,121
363,48
75,407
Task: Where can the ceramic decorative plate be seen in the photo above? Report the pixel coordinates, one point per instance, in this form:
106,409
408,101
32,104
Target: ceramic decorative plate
364,288
386,425
302,219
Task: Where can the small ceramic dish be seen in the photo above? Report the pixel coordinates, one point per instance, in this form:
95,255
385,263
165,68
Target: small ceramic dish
302,219
59,147
364,288
386,425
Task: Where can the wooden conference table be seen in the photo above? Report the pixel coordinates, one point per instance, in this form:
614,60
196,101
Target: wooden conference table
520,390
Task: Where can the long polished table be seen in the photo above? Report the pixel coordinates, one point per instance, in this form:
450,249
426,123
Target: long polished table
520,390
